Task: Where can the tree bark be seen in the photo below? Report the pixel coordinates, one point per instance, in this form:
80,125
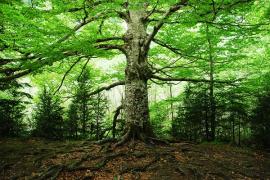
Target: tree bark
136,75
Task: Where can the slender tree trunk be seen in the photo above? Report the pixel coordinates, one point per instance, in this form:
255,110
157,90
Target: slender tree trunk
171,104
239,131
84,118
233,130
206,121
76,130
137,74
155,95
97,118
211,87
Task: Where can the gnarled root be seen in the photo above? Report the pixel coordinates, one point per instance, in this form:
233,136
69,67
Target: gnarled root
141,136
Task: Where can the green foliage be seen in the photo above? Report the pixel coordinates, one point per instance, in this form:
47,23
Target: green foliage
72,123
48,116
260,121
160,118
12,109
192,121
86,113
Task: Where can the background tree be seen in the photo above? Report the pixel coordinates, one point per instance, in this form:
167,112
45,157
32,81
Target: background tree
193,121
260,121
48,116
72,123
99,107
87,112
13,103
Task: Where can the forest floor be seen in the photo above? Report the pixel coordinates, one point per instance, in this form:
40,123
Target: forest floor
40,159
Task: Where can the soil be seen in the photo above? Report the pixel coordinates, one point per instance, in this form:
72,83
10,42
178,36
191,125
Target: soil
40,159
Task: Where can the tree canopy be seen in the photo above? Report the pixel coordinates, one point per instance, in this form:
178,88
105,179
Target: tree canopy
221,43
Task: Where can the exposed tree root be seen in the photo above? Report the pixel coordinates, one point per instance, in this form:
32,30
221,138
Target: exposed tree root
123,140
183,160
139,168
159,141
51,173
117,112
129,136
103,141
98,166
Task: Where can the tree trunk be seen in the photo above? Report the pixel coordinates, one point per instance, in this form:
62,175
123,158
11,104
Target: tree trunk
239,131
171,103
211,87
206,120
233,130
97,118
137,74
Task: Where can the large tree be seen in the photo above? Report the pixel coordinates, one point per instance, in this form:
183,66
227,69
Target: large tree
40,34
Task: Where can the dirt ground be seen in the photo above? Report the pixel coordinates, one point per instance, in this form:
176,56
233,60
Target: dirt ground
39,159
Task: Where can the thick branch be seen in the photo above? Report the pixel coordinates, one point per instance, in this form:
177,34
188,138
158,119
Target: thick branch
189,80
9,70
24,57
229,24
14,76
107,87
123,15
160,23
108,39
111,47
